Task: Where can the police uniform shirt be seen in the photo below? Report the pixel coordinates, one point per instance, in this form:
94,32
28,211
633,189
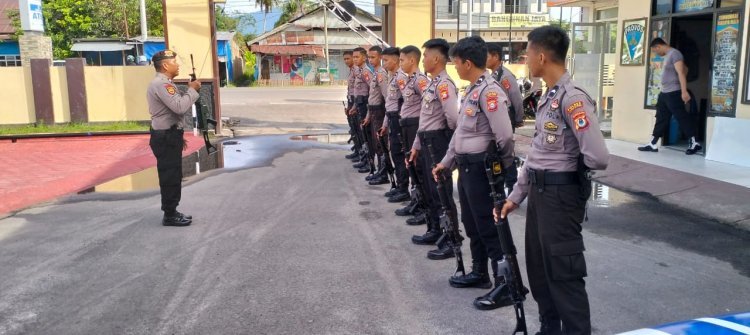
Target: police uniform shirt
361,81
350,82
439,106
566,126
166,104
411,89
378,83
510,86
393,93
483,117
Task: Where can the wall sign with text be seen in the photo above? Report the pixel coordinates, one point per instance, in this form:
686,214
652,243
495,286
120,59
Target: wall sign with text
726,54
633,42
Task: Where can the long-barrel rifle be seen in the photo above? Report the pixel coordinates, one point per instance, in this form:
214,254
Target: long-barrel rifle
200,110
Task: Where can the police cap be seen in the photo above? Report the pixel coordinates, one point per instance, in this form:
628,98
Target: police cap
162,55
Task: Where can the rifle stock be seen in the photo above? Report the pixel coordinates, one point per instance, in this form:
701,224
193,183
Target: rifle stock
389,169
200,108
449,217
512,272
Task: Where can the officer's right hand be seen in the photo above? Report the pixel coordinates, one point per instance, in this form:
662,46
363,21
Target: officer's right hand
382,131
196,85
508,207
437,170
413,155
366,121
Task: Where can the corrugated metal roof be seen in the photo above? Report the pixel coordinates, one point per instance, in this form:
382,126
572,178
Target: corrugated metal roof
101,46
224,35
5,27
288,49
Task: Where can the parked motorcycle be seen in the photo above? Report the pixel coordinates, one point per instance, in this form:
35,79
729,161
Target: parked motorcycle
530,98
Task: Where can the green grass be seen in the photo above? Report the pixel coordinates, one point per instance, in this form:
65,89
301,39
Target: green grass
72,128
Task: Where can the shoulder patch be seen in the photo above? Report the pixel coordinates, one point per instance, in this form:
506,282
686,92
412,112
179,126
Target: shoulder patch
492,102
422,84
469,111
380,77
581,121
443,89
574,106
366,75
170,89
401,84
506,84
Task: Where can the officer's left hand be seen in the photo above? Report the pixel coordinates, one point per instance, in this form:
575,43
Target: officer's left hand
366,121
685,97
437,170
184,144
509,207
413,155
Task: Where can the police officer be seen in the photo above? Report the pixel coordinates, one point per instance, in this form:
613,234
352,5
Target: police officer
391,126
508,83
483,121
437,120
376,111
411,86
349,103
567,143
167,106
361,90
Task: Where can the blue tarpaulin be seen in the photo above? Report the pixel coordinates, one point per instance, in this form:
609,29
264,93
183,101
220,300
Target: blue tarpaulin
150,48
9,48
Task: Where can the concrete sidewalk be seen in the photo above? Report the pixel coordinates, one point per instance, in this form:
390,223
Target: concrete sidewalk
39,170
711,190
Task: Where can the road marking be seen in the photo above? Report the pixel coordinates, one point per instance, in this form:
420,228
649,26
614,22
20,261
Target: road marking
726,324
645,332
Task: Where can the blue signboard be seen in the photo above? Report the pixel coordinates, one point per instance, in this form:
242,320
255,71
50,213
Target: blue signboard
681,6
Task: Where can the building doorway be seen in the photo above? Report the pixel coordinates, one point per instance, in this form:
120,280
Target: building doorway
692,36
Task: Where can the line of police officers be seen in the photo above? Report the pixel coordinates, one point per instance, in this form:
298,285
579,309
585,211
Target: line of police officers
431,130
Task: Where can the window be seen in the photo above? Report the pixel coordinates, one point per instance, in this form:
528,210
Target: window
730,3
10,60
662,7
539,6
606,14
515,7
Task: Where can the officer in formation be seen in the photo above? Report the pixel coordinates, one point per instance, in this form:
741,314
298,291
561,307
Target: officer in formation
507,81
361,91
167,106
429,122
357,148
567,144
483,123
437,121
376,111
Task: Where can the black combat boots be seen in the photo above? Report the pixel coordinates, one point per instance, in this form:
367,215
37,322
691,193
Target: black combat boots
177,219
430,237
444,250
478,277
550,326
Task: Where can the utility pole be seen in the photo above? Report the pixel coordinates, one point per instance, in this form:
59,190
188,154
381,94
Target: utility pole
471,13
325,39
144,25
510,30
125,15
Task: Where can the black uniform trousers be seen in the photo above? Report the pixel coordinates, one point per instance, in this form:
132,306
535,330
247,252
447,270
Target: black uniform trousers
397,150
352,122
409,127
554,255
438,140
167,147
668,104
377,116
476,211
361,102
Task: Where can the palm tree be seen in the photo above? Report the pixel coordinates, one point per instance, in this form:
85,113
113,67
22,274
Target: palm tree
266,6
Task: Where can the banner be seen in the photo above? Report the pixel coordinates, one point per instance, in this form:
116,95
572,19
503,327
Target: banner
681,6
726,51
518,20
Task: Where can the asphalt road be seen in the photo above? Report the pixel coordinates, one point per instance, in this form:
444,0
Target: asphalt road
293,242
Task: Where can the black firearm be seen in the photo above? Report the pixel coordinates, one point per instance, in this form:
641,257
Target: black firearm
449,217
370,142
352,136
388,163
200,109
364,149
416,191
508,268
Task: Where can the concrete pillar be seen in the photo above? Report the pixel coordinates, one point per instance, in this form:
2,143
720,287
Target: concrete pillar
34,45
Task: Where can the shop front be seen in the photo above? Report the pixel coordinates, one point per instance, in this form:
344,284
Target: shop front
711,35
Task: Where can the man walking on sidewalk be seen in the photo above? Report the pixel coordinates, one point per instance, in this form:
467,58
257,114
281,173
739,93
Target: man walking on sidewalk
167,106
672,99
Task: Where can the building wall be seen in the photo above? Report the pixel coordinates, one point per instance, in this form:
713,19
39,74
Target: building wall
189,32
413,22
630,121
16,95
113,93
117,93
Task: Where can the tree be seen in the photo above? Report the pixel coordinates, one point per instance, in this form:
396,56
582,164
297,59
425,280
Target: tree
266,6
292,9
121,18
14,15
65,20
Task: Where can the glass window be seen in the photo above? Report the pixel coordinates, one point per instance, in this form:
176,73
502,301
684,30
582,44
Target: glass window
662,7
682,6
730,3
10,60
605,14
658,28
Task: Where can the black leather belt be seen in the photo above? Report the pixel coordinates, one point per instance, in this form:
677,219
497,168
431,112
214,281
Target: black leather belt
430,134
541,177
468,159
409,121
376,108
393,115
164,131
360,99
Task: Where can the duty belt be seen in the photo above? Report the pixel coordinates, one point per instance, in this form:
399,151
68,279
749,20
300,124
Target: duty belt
377,108
430,134
360,99
393,115
468,159
409,121
542,177
164,131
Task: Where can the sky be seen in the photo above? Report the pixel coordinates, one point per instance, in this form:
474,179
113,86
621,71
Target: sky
248,6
